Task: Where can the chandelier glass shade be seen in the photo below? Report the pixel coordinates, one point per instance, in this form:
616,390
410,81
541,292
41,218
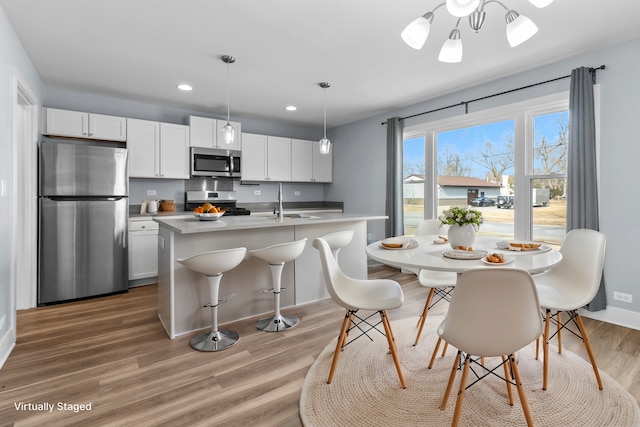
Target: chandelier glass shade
519,28
228,131
324,143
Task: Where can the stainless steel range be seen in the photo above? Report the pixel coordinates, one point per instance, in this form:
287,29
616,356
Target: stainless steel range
223,199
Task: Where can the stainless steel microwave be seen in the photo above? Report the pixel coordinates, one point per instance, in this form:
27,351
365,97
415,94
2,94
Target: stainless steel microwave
215,162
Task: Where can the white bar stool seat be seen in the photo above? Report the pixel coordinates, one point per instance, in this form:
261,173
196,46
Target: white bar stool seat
276,256
213,264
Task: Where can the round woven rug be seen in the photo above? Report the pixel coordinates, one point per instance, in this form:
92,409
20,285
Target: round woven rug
366,390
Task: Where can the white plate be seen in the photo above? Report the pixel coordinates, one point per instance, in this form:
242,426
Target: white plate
523,251
507,260
406,243
209,216
460,254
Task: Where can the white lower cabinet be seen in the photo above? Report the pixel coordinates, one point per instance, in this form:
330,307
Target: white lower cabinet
143,249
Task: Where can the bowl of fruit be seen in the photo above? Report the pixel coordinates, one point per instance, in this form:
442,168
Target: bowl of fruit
208,212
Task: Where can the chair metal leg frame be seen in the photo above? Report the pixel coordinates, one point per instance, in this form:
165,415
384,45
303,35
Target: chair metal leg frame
442,294
214,340
575,319
348,324
277,322
509,365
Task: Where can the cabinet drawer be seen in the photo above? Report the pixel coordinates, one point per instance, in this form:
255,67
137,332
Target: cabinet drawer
146,225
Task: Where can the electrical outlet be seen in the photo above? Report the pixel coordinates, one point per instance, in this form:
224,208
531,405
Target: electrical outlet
620,296
296,193
3,188
151,192
2,321
257,192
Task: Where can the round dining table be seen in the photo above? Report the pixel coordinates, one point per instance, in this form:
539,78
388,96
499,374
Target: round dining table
422,252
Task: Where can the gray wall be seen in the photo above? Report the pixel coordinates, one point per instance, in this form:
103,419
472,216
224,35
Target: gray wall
12,59
363,143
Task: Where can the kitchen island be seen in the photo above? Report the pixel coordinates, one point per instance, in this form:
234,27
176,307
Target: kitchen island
183,293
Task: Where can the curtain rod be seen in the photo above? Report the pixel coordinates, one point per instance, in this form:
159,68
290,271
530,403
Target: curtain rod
466,103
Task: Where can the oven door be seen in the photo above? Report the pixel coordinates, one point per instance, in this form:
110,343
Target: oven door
205,163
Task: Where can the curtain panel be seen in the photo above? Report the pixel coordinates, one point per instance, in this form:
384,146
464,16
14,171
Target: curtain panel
582,177
395,223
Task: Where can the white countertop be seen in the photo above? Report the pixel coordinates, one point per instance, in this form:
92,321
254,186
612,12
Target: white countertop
188,224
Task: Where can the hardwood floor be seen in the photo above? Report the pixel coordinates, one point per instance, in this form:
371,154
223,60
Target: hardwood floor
113,353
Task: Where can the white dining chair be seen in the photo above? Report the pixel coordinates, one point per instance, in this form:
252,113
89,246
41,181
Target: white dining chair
375,296
439,283
480,325
571,285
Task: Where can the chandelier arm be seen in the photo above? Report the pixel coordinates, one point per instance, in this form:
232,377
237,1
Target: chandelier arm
494,1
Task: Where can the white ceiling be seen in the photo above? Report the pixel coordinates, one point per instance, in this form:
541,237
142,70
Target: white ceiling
141,49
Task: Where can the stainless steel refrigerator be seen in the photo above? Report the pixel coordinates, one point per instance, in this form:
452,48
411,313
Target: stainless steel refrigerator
82,235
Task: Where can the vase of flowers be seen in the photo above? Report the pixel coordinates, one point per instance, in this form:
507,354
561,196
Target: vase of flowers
463,224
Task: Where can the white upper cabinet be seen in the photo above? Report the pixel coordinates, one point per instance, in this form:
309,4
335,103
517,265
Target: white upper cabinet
76,124
158,150
308,164
207,133
265,158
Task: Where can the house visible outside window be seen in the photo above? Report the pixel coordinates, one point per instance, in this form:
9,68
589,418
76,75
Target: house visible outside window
508,162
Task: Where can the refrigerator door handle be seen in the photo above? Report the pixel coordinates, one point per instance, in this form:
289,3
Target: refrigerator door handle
85,198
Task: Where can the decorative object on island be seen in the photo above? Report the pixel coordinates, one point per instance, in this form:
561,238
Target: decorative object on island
519,28
228,132
325,144
463,225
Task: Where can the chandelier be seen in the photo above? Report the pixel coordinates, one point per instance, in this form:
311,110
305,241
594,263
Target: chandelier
519,28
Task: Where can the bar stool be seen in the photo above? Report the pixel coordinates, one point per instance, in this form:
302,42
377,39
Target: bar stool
213,264
276,256
338,240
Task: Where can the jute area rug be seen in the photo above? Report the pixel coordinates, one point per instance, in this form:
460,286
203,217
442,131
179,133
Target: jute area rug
366,391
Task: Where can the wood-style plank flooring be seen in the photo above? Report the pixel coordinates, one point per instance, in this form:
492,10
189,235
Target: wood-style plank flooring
113,353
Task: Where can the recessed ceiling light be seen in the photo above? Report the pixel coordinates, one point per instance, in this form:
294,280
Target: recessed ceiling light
184,87
291,108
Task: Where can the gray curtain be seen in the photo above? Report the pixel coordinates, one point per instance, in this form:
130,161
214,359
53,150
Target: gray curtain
395,223
582,185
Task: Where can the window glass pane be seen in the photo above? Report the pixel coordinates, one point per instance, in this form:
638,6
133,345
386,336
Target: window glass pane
475,167
550,140
413,183
548,211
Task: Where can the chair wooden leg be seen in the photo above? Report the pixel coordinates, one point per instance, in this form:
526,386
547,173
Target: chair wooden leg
537,347
585,339
444,349
521,393
435,351
545,347
507,375
452,376
392,346
559,320
423,317
341,339
463,386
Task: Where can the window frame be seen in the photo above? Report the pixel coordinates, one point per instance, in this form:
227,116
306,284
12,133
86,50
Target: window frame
522,113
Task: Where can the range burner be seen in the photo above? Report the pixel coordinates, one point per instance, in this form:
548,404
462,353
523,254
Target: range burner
236,211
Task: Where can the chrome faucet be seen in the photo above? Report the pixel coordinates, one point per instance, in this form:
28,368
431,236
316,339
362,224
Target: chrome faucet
279,211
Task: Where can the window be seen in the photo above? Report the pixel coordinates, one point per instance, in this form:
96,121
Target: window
508,162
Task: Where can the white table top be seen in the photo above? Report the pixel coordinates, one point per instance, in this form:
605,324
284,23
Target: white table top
428,255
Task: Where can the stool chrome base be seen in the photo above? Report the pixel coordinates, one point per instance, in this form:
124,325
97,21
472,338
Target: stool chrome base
277,323
215,341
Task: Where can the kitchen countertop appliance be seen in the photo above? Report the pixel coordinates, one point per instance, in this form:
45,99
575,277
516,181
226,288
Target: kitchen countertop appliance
82,218
223,199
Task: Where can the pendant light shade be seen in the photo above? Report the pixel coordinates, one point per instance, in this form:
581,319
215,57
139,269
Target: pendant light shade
462,8
416,33
228,131
325,144
452,48
541,3
519,28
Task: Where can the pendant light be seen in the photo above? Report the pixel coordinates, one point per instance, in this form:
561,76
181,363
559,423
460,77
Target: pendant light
228,131
325,144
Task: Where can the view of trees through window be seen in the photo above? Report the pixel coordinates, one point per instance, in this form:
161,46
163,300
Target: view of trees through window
476,166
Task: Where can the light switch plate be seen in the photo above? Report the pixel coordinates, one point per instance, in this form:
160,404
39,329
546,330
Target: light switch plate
3,188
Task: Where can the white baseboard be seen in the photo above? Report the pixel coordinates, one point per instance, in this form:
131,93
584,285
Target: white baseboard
615,315
7,343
